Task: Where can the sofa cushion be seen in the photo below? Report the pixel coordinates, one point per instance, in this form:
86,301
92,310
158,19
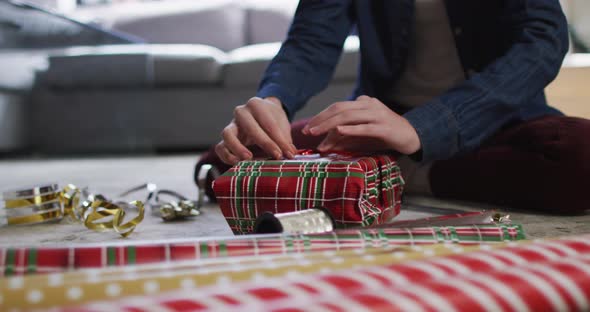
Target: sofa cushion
19,68
135,66
246,65
261,14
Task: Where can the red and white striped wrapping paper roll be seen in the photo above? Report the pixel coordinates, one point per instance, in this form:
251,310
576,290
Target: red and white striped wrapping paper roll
548,275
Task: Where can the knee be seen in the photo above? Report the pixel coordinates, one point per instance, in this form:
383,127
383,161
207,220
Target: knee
575,166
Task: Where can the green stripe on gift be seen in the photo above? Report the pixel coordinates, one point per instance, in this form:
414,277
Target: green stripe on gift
303,190
204,249
222,249
290,247
319,194
252,189
306,243
111,256
32,260
10,262
520,232
238,191
131,255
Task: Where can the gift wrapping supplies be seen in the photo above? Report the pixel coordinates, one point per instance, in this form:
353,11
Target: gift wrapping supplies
31,205
285,253
544,275
49,203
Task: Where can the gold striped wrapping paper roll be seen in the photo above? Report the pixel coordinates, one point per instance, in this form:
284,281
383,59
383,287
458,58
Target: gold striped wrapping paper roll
553,275
42,291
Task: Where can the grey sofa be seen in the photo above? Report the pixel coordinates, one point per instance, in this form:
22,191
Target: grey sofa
165,95
176,92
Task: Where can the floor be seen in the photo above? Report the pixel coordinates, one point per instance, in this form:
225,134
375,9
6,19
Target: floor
112,175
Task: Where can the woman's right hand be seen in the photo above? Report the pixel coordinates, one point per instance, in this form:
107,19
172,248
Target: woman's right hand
259,122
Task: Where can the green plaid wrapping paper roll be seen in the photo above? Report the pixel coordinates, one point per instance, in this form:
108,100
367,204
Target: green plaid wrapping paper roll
28,260
357,191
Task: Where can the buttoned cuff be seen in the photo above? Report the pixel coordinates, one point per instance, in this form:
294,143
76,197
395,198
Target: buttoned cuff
437,129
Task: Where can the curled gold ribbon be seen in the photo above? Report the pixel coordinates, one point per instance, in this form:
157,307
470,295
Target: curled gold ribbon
99,214
94,211
178,208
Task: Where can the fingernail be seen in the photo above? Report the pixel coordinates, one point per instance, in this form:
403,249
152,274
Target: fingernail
305,130
277,155
289,155
313,130
293,149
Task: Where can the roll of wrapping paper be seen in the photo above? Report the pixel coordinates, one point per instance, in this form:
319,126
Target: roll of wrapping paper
308,221
139,280
541,276
45,203
56,259
52,290
90,285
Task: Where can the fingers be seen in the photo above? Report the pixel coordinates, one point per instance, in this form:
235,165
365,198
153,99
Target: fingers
233,144
364,130
225,155
329,142
347,117
329,112
247,123
271,126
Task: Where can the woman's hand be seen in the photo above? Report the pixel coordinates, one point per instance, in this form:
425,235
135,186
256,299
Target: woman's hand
260,122
365,124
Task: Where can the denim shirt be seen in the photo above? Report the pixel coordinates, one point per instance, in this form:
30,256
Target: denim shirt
510,51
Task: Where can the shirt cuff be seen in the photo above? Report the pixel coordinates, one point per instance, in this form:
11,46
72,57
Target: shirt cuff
287,100
437,129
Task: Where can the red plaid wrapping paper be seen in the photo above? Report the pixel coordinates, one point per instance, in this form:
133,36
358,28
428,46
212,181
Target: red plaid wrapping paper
16,261
542,276
357,191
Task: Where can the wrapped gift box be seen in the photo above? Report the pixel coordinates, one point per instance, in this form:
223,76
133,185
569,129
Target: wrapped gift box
356,191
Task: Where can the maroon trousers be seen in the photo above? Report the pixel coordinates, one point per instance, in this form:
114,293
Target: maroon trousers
540,165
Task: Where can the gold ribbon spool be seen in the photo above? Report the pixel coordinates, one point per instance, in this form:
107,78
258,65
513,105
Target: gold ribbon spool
31,201
32,205
36,218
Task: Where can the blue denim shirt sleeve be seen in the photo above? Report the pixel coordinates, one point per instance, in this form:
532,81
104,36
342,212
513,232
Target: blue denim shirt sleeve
462,118
306,61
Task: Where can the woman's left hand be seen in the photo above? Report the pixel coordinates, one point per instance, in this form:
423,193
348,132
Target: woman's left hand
365,124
